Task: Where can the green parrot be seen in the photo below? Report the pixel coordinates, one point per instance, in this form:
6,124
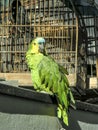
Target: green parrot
49,76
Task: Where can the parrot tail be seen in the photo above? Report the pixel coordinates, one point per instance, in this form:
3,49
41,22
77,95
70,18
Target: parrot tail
62,114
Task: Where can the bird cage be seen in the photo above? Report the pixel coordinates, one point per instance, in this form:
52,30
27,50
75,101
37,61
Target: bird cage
23,20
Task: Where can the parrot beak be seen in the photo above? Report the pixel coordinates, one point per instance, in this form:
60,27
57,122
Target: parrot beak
41,48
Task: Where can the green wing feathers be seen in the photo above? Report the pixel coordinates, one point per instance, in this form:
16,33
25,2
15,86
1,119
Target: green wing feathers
54,80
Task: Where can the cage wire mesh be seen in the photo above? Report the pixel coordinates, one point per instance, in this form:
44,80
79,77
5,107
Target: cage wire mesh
23,20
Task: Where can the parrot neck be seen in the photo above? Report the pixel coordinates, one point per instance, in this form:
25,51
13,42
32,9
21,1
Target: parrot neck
36,53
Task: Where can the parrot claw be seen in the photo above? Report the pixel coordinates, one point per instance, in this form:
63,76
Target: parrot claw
50,93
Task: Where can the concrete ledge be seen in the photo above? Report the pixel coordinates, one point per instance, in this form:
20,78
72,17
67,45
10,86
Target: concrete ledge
28,122
93,82
23,79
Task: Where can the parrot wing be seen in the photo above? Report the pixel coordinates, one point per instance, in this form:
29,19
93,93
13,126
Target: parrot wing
53,79
61,68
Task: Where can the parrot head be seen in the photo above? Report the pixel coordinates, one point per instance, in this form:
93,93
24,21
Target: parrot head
38,45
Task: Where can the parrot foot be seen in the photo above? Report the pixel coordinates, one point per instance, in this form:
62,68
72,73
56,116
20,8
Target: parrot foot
50,93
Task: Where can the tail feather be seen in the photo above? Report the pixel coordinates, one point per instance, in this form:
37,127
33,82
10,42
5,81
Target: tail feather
71,100
62,113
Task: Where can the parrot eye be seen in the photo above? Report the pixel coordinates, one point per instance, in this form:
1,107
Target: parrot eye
34,43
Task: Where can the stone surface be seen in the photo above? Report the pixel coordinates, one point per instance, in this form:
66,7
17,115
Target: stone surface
28,122
10,83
